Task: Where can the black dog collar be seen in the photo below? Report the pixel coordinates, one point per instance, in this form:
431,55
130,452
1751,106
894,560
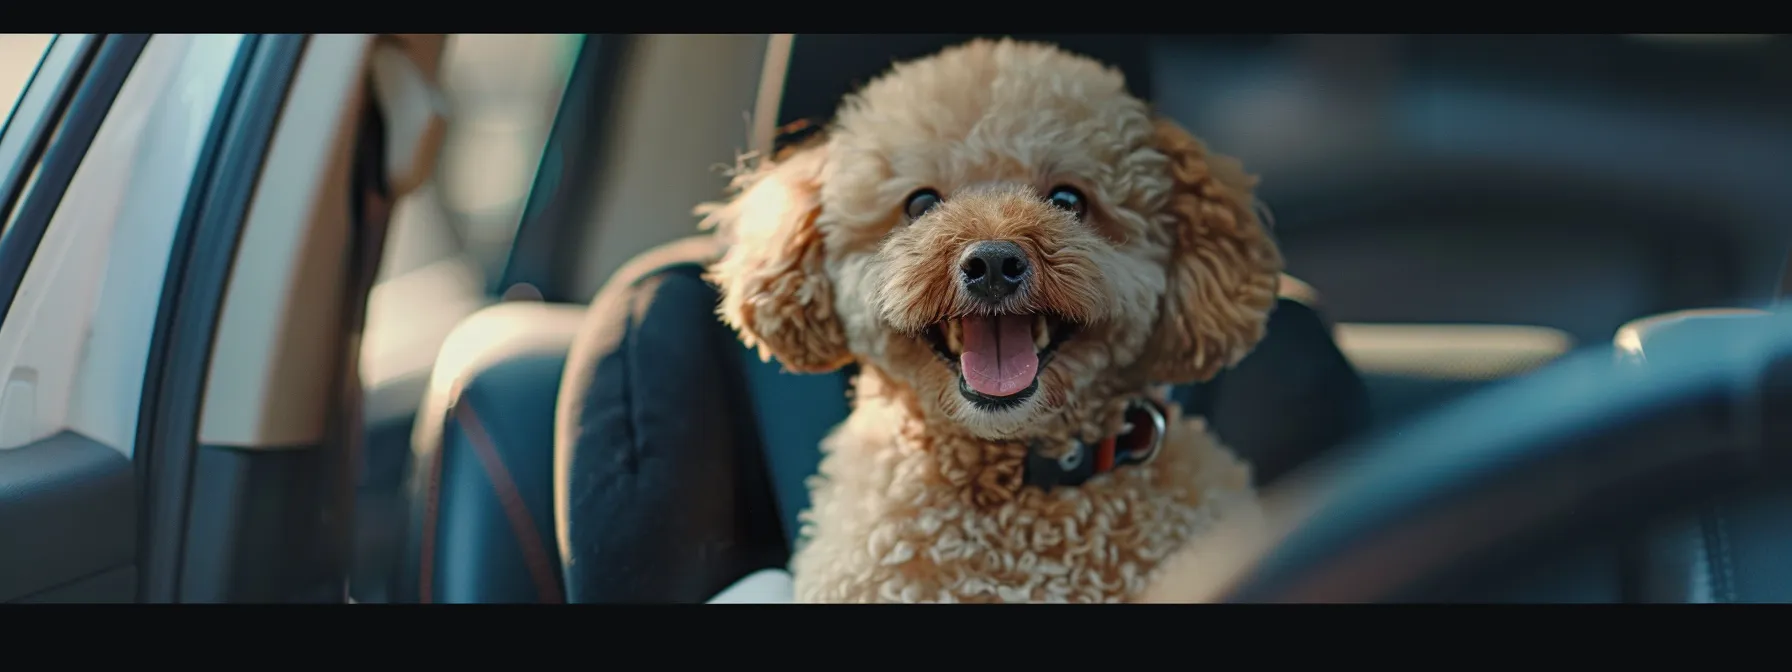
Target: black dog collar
1138,441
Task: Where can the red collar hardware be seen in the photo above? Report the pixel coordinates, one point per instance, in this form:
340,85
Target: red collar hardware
1138,441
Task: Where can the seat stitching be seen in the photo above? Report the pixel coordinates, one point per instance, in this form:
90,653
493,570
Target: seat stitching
521,522
1725,568
639,303
1718,570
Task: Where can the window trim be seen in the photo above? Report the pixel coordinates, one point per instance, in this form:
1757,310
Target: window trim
67,142
25,134
205,250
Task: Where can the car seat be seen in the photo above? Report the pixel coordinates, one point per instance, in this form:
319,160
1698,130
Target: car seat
681,456
677,458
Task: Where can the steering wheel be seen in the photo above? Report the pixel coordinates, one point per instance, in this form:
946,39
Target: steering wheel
1590,444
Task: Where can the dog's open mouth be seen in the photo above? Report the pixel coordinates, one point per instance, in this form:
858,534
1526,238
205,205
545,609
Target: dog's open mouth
998,357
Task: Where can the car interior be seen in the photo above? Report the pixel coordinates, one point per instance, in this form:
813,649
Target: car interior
1529,339
1456,212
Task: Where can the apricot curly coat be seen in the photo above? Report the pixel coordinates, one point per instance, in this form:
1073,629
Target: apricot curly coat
1169,277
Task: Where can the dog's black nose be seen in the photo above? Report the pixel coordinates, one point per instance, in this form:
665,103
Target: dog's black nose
994,269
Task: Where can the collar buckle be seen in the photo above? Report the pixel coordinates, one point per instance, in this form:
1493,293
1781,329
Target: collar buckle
1140,440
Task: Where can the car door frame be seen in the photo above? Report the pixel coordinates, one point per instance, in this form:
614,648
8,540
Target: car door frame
105,517
70,497
225,473
253,417
192,296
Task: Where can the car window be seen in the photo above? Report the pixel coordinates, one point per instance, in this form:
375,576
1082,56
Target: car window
452,236
19,55
504,91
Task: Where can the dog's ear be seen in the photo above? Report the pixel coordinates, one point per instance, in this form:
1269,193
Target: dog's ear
775,292
1224,266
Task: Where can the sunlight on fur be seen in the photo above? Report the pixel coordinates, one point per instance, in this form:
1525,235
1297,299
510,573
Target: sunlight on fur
1011,247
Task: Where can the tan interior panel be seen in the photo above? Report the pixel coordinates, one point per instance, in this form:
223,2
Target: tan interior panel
268,386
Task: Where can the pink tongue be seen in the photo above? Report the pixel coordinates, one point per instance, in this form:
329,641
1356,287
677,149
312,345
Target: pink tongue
998,358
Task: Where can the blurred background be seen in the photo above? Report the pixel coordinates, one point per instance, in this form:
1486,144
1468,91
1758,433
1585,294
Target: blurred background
1512,195
1465,207
453,235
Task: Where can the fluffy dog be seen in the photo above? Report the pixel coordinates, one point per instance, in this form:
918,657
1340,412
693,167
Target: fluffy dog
1019,256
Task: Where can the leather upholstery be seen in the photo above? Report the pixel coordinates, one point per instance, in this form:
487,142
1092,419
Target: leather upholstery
1295,395
661,493
1595,443
481,485
1734,549
681,456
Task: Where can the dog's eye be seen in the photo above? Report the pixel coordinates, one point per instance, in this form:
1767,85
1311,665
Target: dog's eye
1069,199
920,202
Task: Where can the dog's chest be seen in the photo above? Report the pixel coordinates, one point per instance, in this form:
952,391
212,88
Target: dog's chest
909,525
884,528
1097,543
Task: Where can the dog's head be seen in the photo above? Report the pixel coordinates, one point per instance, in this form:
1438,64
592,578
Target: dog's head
1005,232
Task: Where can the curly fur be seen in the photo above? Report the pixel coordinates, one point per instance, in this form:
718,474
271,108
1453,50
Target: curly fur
1171,275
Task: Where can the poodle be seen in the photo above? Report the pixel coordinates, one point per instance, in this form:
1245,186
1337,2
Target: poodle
1021,258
